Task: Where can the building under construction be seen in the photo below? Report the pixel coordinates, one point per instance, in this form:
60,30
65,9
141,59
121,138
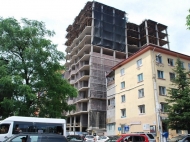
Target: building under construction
99,38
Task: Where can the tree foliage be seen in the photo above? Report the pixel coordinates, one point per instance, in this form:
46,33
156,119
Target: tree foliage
179,99
30,77
188,20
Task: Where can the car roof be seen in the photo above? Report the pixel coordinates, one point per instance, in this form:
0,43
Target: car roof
40,134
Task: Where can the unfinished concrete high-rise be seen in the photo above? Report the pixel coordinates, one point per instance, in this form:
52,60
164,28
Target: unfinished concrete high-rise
97,40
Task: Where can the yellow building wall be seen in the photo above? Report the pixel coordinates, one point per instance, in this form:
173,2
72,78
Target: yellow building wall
133,117
149,67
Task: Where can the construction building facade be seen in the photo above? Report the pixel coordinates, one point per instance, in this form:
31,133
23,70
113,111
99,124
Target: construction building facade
99,38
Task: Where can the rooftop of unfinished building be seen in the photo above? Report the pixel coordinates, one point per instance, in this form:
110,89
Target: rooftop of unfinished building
151,22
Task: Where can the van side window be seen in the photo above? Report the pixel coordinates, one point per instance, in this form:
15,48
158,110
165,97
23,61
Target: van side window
4,128
19,127
49,127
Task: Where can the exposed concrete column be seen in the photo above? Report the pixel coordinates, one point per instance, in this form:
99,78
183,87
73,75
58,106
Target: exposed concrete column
126,42
70,123
102,19
74,124
167,38
139,36
81,119
157,36
97,119
146,28
89,111
114,54
92,29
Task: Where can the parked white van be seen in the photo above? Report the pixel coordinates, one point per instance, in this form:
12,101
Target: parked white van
16,124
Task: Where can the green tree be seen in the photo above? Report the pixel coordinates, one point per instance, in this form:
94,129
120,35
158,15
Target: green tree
30,77
179,99
188,20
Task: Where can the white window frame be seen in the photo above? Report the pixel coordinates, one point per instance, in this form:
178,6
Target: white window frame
139,62
170,62
122,98
122,72
123,113
159,59
141,109
123,85
140,77
162,90
160,74
141,93
189,66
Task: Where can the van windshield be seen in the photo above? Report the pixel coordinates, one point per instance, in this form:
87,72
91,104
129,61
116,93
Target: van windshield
4,128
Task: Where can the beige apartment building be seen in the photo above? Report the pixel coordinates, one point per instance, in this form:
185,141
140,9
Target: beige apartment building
140,89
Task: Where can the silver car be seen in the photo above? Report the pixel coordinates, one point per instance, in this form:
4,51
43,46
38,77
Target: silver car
89,138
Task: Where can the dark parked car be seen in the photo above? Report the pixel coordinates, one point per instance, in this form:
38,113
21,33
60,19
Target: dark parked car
180,138
74,138
36,137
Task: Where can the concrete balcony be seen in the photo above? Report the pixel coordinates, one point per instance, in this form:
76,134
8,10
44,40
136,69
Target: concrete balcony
72,81
80,99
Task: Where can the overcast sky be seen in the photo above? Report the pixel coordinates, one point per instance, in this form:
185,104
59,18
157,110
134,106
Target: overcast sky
58,14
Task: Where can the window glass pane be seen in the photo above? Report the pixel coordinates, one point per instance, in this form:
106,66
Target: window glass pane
22,127
140,77
122,85
141,93
142,108
160,74
49,127
172,76
139,62
159,59
4,128
18,139
170,62
162,90
122,72
123,113
123,98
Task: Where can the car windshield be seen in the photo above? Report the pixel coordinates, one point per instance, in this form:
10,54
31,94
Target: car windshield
103,137
150,136
74,137
113,138
6,140
89,137
4,128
